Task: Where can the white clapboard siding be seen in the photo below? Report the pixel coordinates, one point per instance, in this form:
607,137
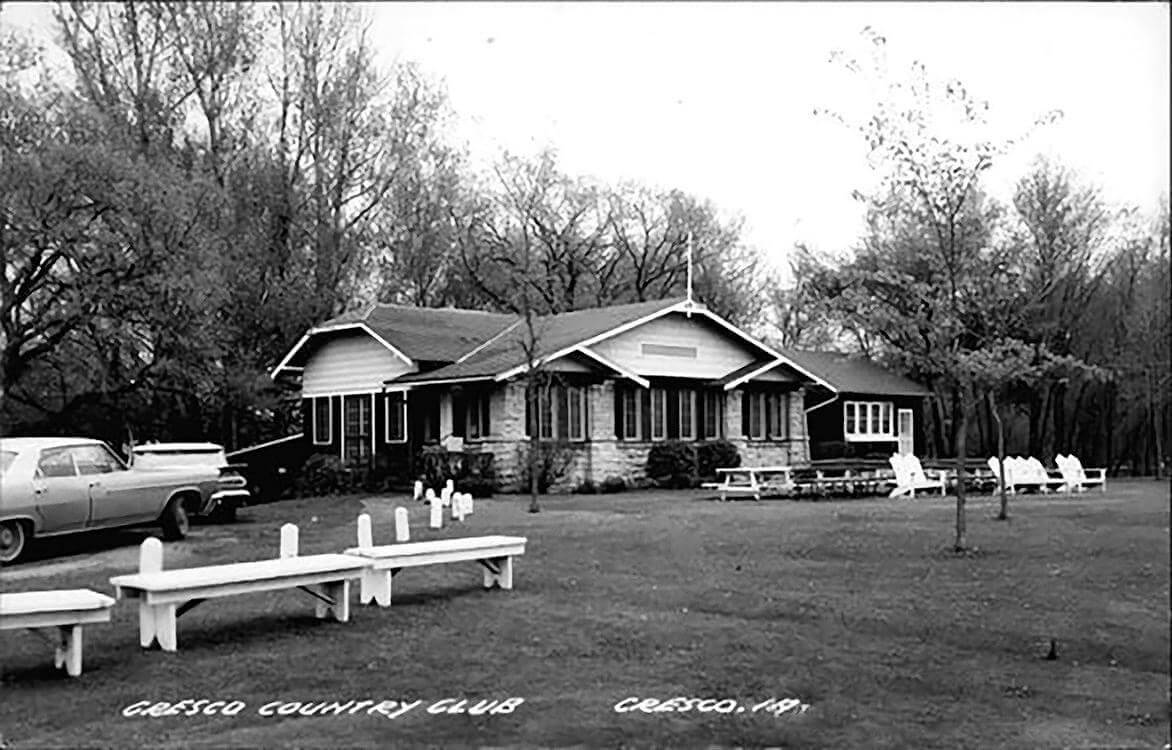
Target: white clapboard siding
717,351
349,362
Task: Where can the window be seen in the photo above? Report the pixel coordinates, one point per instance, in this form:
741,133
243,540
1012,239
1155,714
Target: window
561,413
476,410
713,414
357,434
632,414
687,414
868,420
323,418
95,459
658,414
754,417
396,418
56,462
779,416
577,412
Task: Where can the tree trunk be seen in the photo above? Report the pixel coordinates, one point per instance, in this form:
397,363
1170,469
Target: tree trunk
1158,449
961,428
1003,514
534,445
1058,408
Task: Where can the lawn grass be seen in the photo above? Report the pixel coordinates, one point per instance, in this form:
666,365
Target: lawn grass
855,607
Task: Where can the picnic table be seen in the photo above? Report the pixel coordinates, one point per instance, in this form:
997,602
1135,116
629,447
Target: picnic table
753,480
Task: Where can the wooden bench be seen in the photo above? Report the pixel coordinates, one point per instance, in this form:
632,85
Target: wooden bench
166,595
494,553
66,609
753,480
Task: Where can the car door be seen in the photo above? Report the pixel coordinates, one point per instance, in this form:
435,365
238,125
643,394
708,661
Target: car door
118,495
61,496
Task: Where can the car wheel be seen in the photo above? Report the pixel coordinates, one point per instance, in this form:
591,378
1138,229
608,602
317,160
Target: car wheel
12,538
174,521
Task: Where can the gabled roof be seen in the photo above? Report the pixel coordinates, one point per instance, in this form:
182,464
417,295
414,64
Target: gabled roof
850,373
415,334
756,367
555,334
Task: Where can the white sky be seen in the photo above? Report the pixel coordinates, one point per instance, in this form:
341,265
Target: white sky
717,99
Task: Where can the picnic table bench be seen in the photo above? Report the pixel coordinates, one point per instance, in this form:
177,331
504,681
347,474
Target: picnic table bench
67,609
494,553
166,595
752,480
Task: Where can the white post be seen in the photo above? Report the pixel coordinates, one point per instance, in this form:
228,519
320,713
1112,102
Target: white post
468,502
289,540
450,486
150,556
437,512
417,492
365,531
456,508
446,494
430,495
402,526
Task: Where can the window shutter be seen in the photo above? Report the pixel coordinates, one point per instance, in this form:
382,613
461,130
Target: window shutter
745,396
458,412
561,395
645,395
618,410
673,413
485,413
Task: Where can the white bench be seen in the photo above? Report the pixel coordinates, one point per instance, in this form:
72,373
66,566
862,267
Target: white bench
753,480
494,553
67,609
168,594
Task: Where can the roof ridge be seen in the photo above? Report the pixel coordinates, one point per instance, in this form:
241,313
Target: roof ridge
397,306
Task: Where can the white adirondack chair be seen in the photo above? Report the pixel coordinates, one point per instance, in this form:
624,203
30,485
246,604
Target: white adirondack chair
995,467
1042,475
910,476
1075,478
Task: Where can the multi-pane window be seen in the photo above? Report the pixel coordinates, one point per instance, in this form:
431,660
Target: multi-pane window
658,414
396,418
357,429
476,411
754,406
713,426
687,414
632,406
561,412
779,416
323,417
868,420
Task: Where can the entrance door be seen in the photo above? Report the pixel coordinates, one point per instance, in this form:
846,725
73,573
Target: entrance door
906,425
357,429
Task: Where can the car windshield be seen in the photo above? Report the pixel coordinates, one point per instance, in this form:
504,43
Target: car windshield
6,459
147,460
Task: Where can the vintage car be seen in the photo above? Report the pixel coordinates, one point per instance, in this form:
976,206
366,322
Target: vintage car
61,485
221,485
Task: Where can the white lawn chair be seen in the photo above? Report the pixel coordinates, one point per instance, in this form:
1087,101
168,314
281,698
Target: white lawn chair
910,476
1075,478
1043,475
995,467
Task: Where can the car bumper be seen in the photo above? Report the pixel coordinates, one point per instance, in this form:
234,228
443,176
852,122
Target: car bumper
229,498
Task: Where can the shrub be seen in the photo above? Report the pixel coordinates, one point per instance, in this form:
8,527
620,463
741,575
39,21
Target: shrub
588,487
477,486
672,464
323,474
437,466
612,484
717,454
553,462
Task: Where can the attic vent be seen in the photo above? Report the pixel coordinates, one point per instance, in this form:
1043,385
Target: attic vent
666,350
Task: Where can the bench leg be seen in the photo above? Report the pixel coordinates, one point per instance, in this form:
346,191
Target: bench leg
69,652
375,586
503,576
165,627
146,624
339,593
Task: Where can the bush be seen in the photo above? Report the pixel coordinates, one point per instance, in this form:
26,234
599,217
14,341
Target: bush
718,454
553,461
437,466
477,486
588,487
672,464
323,474
612,484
